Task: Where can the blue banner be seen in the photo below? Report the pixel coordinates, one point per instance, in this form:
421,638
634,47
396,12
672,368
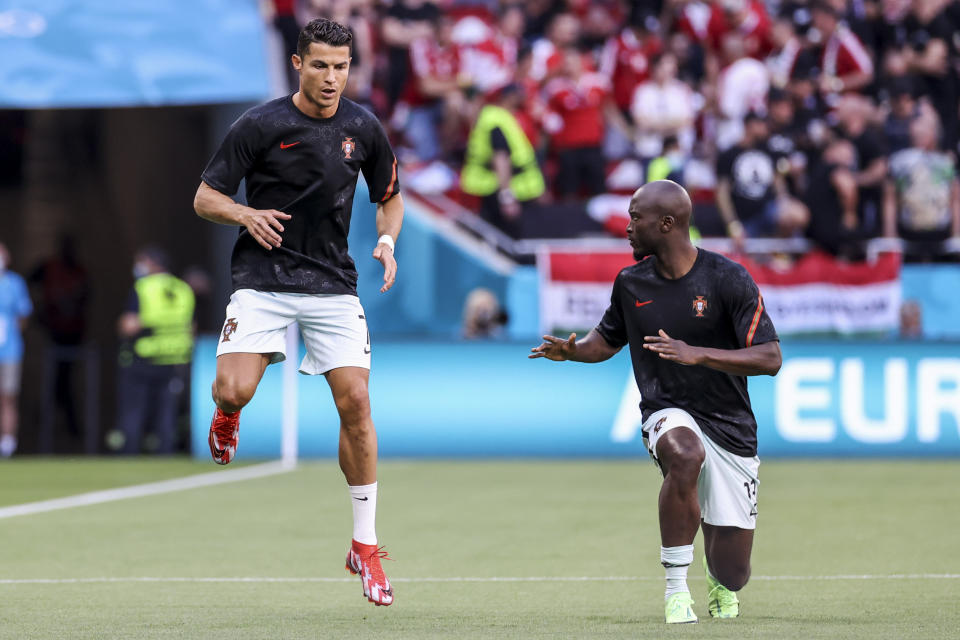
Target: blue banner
86,53
458,399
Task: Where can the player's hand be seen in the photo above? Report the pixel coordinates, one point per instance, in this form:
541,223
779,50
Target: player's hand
669,349
384,254
265,226
555,348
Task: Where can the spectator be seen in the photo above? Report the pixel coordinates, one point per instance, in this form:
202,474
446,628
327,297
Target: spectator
663,106
156,331
670,164
787,45
15,308
911,320
404,22
433,95
548,52
626,63
62,288
501,165
903,109
855,115
751,195
832,202
483,317
922,194
747,20
577,100
845,63
788,140
285,22
931,53
488,54
741,87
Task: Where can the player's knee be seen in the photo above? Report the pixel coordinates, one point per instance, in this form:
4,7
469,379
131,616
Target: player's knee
353,403
232,396
682,459
734,578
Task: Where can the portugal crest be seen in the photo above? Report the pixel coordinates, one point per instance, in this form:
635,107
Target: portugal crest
229,328
700,306
348,146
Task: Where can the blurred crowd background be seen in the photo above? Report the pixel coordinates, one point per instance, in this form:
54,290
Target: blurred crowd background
833,120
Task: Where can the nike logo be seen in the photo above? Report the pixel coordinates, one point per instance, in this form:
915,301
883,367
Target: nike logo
362,499
366,351
292,144
640,304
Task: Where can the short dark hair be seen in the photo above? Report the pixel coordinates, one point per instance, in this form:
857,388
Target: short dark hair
326,32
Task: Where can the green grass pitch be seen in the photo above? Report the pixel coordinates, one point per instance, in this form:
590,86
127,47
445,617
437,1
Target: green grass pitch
825,527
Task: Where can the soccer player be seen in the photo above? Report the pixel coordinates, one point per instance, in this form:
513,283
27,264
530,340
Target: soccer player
300,155
696,327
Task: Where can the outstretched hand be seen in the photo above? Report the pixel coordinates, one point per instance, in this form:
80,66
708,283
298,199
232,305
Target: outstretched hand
384,254
555,348
669,349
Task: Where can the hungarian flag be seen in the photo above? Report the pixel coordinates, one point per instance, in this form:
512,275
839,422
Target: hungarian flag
816,294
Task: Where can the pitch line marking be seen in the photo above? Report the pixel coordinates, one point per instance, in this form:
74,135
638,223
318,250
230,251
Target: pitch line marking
200,579
148,489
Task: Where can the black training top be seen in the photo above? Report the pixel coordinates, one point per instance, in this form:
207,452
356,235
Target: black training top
306,167
716,304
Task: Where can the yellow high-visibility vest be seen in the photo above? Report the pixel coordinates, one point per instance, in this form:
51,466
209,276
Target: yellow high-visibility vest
166,315
478,177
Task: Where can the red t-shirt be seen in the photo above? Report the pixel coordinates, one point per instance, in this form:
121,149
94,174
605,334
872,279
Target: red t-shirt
625,62
429,59
754,30
578,110
844,53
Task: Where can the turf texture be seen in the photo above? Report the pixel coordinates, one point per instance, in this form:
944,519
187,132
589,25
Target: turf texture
844,549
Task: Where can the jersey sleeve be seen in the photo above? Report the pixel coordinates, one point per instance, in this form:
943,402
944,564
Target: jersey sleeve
380,166
612,327
747,312
234,158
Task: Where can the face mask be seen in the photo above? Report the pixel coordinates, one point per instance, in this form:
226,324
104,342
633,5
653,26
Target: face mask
140,270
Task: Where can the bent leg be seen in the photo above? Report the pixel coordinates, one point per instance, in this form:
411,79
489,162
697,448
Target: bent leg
358,437
238,375
680,454
728,552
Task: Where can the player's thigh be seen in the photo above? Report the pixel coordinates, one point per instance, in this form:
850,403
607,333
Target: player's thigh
10,373
728,488
673,437
334,330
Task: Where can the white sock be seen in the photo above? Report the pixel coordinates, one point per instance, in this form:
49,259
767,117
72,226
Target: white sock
8,444
676,561
364,499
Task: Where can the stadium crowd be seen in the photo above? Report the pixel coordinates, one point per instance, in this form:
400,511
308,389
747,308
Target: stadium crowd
831,119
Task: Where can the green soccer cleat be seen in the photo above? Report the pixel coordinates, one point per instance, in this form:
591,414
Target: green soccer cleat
679,609
721,602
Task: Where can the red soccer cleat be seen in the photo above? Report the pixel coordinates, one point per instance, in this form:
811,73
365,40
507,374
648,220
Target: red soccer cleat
364,559
224,433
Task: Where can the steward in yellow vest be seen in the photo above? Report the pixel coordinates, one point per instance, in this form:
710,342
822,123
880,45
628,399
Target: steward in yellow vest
156,332
501,165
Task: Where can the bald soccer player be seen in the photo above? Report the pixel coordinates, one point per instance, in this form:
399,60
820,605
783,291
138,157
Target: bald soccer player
696,327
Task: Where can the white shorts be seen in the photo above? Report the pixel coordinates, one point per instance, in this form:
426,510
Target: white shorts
333,327
728,483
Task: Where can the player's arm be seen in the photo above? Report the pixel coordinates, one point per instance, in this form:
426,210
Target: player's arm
264,226
389,221
593,348
755,360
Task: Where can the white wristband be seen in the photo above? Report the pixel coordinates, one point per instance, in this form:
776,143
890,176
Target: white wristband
386,239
